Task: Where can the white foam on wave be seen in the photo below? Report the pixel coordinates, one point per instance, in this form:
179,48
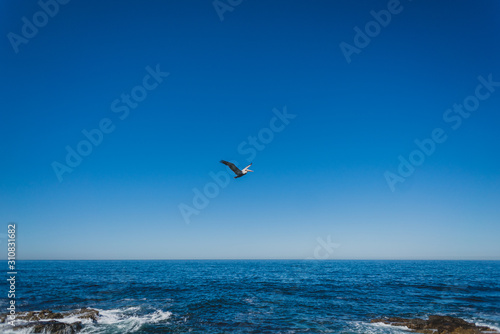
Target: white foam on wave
110,317
487,325
7,330
125,320
381,324
481,321
377,328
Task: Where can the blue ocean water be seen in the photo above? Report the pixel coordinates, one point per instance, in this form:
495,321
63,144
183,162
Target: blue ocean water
258,296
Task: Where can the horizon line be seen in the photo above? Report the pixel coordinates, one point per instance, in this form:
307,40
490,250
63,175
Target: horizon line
257,259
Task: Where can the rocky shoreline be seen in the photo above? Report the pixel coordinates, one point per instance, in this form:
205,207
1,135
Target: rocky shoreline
46,321
437,324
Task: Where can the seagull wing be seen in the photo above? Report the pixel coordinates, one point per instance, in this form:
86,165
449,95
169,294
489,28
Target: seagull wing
232,166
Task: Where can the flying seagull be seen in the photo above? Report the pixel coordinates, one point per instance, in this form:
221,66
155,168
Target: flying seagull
236,170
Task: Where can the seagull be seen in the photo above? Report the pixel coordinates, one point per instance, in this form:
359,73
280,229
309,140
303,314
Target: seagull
236,170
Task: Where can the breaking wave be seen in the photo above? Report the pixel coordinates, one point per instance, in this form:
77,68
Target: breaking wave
120,320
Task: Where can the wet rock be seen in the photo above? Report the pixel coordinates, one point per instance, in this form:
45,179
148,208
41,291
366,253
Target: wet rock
83,313
52,326
38,315
437,324
86,313
46,321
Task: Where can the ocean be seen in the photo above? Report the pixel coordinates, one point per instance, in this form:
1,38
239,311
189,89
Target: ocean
257,296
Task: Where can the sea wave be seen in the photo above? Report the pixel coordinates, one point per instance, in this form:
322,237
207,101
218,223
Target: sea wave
120,320
497,328
376,328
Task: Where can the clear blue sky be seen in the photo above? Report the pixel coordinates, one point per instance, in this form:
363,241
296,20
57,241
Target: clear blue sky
323,174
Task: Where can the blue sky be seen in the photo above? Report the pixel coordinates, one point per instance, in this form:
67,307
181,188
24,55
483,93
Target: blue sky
323,174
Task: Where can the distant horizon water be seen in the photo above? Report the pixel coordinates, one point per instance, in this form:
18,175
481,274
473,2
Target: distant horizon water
264,259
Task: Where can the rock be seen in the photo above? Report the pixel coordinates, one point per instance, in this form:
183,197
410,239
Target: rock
45,321
38,315
437,324
52,326
83,313
86,313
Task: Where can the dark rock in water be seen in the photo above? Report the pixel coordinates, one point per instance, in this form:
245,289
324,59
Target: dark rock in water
38,315
52,326
45,321
83,313
86,313
437,324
